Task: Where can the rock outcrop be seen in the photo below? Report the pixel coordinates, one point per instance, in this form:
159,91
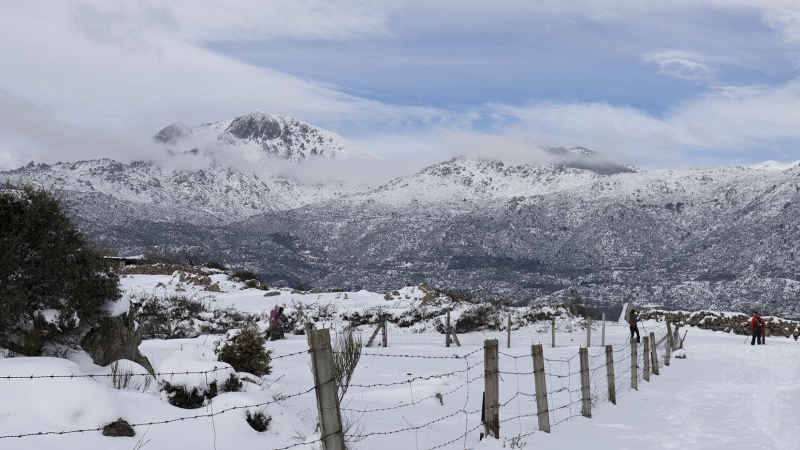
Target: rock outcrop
115,338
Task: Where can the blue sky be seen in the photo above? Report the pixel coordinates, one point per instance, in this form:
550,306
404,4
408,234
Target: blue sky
703,82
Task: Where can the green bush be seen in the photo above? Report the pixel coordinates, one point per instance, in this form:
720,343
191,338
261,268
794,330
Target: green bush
46,263
245,352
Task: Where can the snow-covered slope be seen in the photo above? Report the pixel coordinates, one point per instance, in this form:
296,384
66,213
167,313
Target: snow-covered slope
775,165
258,135
101,188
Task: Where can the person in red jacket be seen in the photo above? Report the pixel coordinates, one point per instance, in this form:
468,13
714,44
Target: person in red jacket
757,326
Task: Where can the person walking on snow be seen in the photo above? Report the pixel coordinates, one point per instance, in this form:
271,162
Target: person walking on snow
632,319
757,325
276,324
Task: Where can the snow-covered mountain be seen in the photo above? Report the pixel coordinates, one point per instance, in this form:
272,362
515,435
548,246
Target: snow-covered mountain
775,165
691,238
257,135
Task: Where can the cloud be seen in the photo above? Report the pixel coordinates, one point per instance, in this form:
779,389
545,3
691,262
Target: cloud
681,64
128,26
786,22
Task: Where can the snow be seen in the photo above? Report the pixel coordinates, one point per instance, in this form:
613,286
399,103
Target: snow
775,165
725,394
119,307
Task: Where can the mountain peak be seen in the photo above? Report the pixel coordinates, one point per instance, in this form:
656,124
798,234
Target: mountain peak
259,135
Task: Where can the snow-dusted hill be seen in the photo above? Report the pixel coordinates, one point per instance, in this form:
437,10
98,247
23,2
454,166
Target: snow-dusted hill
258,135
724,237
105,191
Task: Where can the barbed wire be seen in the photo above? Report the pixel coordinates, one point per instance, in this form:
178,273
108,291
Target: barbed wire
162,422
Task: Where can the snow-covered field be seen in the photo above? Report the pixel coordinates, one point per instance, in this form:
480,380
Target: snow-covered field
724,395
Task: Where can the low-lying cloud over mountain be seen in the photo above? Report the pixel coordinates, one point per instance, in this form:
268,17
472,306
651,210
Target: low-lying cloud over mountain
691,238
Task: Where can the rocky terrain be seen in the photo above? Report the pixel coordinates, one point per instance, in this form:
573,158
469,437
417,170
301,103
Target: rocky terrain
723,238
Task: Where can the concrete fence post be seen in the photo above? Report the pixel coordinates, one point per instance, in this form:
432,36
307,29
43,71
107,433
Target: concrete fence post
330,417
586,393
447,330
553,332
542,409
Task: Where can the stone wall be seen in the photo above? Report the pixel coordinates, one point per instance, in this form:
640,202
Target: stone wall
726,322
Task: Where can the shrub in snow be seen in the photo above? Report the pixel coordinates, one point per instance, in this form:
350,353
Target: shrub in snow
192,376
119,428
245,351
177,316
258,421
51,279
346,354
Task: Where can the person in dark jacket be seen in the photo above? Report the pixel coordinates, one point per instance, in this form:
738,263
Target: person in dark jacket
632,319
757,325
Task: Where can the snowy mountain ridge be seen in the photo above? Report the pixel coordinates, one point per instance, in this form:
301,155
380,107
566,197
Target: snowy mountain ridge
691,238
259,135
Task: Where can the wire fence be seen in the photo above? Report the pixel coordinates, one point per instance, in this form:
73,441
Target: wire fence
439,399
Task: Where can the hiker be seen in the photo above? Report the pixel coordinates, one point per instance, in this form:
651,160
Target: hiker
757,325
276,324
632,319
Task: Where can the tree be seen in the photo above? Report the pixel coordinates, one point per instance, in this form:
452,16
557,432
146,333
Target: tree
52,281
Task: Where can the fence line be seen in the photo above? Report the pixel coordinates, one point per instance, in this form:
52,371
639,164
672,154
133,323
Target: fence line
567,397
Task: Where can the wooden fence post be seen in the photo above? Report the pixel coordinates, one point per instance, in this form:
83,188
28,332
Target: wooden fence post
668,347
603,338
375,333
542,409
612,386
385,335
586,393
330,417
509,330
654,353
553,331
447,330
588,332
491,407
646,357
634,366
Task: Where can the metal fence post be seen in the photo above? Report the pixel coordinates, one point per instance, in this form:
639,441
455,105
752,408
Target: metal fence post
330,417
612,387
491,407
586,393
542,410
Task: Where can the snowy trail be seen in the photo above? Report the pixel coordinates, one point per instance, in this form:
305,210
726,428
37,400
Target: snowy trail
726,395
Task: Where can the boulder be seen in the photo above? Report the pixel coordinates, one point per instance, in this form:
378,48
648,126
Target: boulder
388,297
316,290
213,288
396,293
115,338
297,291
272,294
